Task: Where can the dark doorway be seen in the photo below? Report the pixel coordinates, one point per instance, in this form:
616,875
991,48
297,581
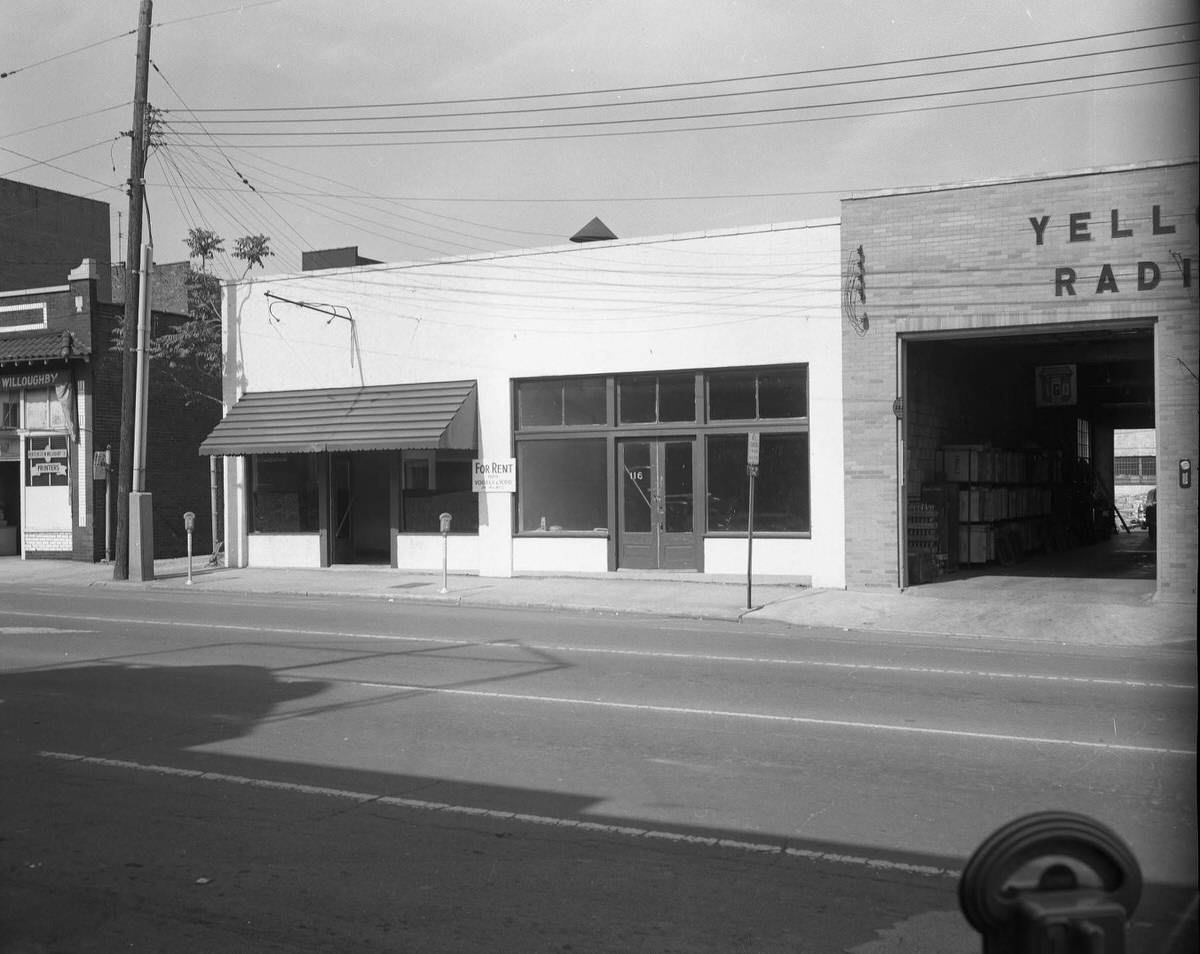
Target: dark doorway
358,507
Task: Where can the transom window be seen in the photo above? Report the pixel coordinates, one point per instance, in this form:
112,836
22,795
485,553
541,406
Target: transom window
758,394
657,398
563,402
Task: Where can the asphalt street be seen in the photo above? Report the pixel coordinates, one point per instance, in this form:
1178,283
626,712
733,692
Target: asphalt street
271,773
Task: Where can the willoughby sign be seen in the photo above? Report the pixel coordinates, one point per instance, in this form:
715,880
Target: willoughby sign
1142,276
33,379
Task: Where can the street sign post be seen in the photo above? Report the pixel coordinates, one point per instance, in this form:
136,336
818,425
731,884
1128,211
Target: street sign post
752,455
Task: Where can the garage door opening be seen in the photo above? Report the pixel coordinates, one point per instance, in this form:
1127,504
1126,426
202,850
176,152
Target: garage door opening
1013,444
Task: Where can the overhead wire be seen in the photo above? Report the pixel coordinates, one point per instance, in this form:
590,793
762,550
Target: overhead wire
339,213
241,177
725,126
358,200
120,36
729,114
625,104
62,122
34,162
365,194
334,213
735,79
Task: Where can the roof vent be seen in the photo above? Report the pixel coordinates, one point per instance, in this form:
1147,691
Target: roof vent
594,231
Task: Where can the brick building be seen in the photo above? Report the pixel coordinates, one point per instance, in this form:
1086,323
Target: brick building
996,336
60,387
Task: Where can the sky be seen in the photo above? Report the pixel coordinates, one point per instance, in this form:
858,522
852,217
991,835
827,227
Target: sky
325,124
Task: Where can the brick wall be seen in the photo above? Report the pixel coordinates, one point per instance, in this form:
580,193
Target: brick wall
45,234
968,258
168,286
177,477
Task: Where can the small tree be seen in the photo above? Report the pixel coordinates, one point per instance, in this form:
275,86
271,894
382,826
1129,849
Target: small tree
203,244
252,249
188,353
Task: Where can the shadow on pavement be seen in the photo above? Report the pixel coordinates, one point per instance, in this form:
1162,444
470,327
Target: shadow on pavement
111,841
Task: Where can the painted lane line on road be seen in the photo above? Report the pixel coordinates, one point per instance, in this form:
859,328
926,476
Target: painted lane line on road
775,717
647,654
418,804
868,667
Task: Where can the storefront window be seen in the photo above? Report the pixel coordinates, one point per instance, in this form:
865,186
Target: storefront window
758,395
570,402
43,410
284,493
562,485
451,493
781,491
10,412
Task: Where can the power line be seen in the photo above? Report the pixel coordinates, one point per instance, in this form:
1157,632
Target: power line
69,119
121,36
50,162
724,114
735,79
721,126
229,162
364,194
625,104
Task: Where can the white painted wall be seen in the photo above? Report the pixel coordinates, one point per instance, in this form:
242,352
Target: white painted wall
746,297
550,554
423,551
773,556
296,550
46,508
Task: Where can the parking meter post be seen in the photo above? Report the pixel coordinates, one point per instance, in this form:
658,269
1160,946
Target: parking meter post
108,505
189,524
444,526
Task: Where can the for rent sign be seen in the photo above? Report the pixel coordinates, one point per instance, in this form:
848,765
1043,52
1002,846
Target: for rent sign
494,476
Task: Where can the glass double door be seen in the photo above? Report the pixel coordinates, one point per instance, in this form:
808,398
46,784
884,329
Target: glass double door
657,513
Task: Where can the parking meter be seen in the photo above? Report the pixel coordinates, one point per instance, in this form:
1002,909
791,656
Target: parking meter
1051,883
444,526
189,524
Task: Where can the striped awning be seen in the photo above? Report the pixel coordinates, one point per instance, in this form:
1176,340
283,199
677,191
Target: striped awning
388,417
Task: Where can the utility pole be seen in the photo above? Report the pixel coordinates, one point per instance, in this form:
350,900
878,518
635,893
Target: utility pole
133,258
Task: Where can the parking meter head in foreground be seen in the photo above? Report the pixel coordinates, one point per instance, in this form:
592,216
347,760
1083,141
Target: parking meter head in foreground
444,522
1057,882
189,521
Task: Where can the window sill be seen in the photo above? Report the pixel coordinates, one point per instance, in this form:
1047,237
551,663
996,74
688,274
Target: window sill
778,534
536,534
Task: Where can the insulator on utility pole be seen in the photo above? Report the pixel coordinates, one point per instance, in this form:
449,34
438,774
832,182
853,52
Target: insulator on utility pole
137,171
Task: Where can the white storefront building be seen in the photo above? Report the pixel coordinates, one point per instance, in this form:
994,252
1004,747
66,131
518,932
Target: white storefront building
607,388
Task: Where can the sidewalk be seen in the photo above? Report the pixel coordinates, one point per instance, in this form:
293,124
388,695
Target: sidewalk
1032,610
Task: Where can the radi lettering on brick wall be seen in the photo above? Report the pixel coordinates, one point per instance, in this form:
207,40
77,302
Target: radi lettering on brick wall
1114,228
